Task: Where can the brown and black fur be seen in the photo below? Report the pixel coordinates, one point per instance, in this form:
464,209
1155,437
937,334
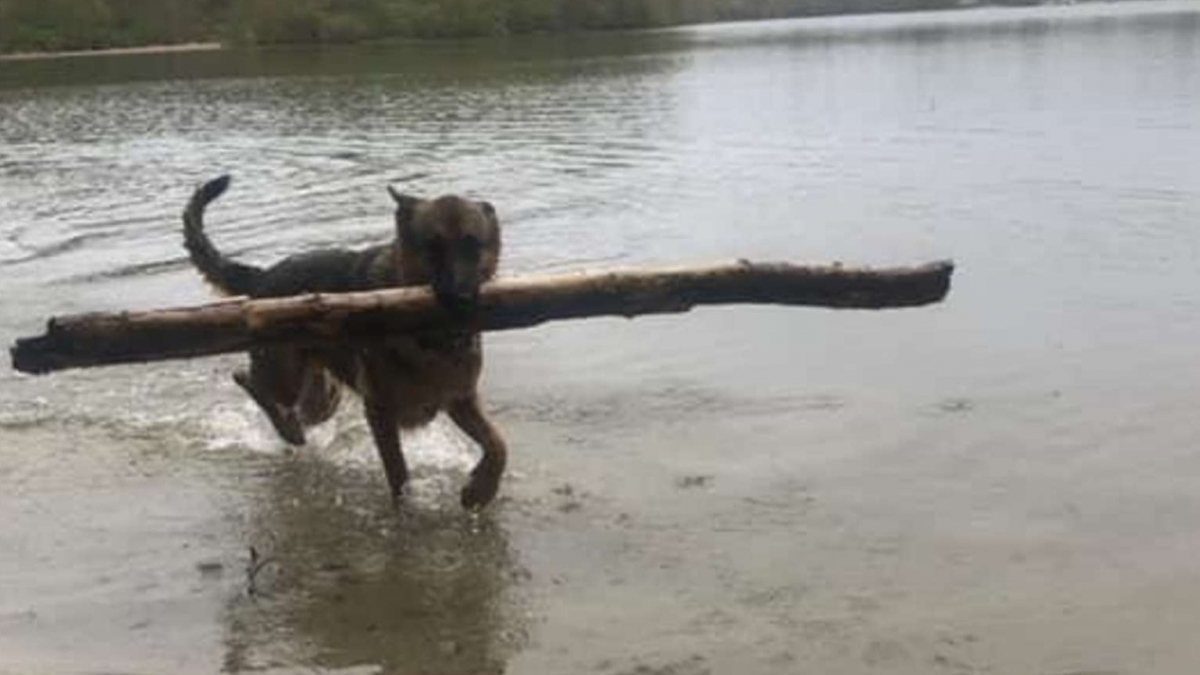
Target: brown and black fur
450,243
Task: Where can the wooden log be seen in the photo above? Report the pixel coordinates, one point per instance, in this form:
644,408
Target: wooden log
236,325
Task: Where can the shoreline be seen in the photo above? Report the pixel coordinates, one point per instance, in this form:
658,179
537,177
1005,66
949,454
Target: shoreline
188,47
115,51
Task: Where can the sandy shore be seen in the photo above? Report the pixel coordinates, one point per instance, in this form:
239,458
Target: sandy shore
147,49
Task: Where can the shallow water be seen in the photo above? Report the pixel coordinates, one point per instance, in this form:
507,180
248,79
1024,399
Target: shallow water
1003,483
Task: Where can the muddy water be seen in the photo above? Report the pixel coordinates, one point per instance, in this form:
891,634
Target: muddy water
1007,483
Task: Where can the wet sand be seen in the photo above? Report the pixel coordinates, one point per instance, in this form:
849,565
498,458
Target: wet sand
625,542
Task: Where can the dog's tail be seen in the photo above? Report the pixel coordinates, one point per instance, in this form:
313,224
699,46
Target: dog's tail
227,276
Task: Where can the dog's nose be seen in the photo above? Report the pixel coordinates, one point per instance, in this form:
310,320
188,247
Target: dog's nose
457,301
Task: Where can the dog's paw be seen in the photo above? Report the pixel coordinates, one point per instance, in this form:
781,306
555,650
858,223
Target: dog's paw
399,495
480,490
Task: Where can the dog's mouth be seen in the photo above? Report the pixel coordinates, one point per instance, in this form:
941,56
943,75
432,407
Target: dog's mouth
456,300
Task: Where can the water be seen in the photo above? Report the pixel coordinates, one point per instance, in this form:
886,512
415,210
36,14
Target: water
1003,483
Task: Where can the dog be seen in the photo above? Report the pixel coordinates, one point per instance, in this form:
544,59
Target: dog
449,243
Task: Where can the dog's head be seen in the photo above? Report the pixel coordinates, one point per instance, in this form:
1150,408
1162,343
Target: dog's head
450,243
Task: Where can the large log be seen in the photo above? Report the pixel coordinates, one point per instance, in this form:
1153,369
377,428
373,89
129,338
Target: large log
236,325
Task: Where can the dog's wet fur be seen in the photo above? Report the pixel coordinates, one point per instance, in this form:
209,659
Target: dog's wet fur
449,243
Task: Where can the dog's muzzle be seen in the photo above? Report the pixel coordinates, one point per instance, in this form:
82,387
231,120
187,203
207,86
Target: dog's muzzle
456,300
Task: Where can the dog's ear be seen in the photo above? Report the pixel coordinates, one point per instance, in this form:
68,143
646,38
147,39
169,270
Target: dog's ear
489,211
405,206
493,220
490,214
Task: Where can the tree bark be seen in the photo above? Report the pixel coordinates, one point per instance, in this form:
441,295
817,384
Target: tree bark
235,325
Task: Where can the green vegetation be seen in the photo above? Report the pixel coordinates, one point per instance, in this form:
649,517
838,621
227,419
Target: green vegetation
52,25
32,25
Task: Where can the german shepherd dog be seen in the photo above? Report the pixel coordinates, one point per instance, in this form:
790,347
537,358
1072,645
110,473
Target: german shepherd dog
450,243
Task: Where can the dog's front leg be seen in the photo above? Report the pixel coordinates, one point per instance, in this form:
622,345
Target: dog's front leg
381,408
485,477
381,417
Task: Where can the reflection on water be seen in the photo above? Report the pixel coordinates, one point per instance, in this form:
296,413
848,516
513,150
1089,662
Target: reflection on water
347,581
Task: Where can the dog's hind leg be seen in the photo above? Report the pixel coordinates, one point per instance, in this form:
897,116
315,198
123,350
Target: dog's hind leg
320,395
273,381
485,477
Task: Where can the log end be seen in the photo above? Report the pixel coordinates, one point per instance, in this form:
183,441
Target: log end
36,355
940,272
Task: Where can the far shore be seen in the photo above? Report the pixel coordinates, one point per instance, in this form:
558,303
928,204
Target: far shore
113,51
185,47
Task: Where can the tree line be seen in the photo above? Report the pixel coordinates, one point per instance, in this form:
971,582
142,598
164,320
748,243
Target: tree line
52,25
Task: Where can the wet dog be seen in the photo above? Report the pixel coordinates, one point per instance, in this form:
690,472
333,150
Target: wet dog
450,243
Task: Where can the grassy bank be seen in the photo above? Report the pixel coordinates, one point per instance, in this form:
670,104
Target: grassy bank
60,25
56,25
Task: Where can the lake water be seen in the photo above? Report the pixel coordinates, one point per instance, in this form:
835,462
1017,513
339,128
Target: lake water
1008,482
